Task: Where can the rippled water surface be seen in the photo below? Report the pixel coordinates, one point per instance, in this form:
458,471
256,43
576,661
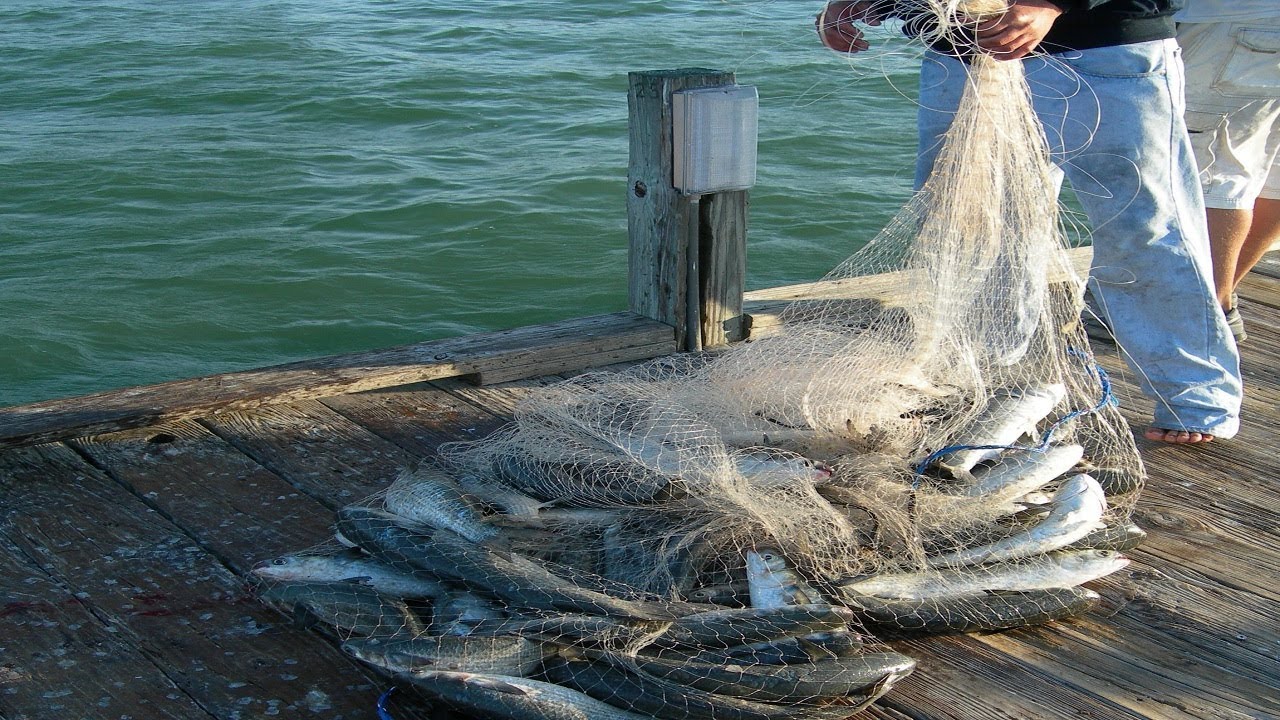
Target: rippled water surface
191,188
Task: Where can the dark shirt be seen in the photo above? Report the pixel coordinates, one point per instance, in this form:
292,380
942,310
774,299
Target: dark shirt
1084,24
1091,24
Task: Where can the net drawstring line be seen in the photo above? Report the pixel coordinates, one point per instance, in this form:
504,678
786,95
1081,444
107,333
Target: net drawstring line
1108,398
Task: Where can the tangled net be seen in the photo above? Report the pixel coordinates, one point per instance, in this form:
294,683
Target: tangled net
727,535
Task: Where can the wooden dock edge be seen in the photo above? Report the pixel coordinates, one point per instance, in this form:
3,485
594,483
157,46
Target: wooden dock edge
763,308
486,358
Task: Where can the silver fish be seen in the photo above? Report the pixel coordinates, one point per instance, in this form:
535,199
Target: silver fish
1115,537
569,518
772,583
973,613
786,651
830,645
347,606
429,496
630,555
1033,499
349,567
600,483
513,578
510,501
769,469
729,627
458,613
727,594
616,681
1022,472
504,697
1052,570
798,683
1075,512
1006,418
572,629
495,654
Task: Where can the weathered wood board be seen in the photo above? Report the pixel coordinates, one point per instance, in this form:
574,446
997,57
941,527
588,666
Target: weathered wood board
500,356
187,621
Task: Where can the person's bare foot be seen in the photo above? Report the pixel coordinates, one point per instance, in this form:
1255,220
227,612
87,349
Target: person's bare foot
1178,437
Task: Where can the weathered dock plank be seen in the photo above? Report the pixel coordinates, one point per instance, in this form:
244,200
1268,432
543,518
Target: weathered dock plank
240,511
419,418
764,308
961,678
500,399
1159,592
499,356
314,448
1158,674
60,658
160,592
1262,287
1207,504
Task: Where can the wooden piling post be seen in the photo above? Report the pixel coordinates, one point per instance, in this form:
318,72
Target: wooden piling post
658,227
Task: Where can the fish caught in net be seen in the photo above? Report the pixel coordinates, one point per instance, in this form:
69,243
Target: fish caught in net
733,535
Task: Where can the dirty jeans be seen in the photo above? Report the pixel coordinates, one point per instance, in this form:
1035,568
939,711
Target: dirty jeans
1114,121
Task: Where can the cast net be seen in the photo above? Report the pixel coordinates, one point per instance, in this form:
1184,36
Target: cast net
927,446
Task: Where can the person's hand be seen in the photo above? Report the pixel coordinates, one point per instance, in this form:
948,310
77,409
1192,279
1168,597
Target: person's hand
837,27
1016,32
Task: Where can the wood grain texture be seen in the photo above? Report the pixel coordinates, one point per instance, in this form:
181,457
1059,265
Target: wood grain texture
197,641
722,263
657,231
510,354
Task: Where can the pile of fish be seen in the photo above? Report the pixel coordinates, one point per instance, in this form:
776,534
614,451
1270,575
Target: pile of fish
529,591
499,634
1028,565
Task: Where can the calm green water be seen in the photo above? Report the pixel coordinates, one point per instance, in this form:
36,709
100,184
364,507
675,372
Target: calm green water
198,187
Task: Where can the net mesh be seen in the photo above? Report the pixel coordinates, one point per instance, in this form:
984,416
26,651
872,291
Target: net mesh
730,535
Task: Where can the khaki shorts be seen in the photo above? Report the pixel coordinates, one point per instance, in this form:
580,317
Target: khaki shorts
1233,108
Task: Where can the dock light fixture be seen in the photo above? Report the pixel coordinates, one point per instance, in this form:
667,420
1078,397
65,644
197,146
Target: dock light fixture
714,131
713,137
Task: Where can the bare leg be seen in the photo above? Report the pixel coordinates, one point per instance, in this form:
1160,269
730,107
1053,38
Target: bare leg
1264,231
1228,230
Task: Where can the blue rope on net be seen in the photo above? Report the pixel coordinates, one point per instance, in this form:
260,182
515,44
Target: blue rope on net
383,712
1108,399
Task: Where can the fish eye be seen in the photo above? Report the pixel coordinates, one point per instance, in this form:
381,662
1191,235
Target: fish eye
279,561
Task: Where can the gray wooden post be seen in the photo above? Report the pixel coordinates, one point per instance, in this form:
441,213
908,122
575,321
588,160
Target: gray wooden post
658,227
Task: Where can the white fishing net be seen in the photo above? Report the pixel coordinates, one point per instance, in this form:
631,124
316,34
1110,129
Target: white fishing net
726,535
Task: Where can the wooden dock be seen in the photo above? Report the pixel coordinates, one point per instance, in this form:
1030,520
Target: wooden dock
129,520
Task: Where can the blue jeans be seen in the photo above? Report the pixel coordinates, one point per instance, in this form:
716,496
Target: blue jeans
1113,117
